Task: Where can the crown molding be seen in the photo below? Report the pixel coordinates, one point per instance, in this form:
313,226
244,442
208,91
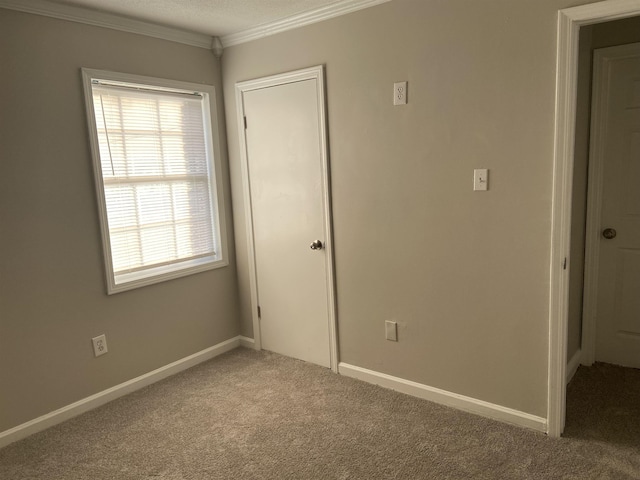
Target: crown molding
216,46
109,20
337,9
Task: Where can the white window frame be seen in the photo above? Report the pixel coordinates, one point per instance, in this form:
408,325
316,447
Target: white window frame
127,281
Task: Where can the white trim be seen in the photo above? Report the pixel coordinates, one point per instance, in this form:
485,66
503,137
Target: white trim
109,20
247,342
572,366
601,12
332,306
248,208
443,397
89,403
315,73
566,80
336,9
216,47
569,22
96,18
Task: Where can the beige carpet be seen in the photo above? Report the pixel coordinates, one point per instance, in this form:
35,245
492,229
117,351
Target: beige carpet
604,406
256,415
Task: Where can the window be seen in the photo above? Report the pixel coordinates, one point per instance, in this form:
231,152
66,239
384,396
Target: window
157,178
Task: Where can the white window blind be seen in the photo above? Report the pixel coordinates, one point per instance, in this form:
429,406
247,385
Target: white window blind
157,175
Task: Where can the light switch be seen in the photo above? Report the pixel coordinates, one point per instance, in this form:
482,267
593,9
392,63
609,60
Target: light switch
391,330
481,179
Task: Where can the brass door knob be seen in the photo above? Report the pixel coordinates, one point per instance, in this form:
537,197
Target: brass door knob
609,233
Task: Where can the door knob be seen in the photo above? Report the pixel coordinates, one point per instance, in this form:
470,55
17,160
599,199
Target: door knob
609,233
317,245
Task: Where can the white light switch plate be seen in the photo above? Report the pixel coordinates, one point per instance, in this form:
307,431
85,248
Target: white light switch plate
391,330
481,179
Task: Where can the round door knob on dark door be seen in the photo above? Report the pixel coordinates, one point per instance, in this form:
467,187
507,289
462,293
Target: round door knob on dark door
609,233
317,245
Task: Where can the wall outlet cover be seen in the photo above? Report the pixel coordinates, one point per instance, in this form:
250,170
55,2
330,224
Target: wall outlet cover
99,345
400,93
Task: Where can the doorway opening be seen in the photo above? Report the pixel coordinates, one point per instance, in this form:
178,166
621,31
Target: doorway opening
565,220
604,278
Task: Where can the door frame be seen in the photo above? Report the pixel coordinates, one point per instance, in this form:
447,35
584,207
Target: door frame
569,22
311,73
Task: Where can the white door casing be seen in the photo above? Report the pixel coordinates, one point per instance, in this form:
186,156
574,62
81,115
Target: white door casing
286,193
569,22
611,319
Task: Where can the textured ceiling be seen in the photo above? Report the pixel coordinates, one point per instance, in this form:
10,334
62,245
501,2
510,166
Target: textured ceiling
213,17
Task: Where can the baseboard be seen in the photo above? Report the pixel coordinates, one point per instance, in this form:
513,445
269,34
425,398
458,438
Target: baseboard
247,342
468,404
65,413
572,366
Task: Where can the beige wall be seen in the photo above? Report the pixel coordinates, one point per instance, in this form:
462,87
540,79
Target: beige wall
52,288
465,274
607,34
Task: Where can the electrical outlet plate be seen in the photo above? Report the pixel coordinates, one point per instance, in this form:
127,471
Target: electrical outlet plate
99,345
400,93
391,330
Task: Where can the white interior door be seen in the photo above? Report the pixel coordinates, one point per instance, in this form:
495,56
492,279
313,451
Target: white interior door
289,208
617,116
